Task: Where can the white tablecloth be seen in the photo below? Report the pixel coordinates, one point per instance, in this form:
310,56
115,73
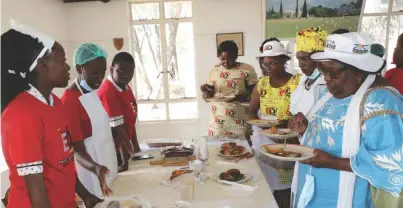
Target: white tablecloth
145,180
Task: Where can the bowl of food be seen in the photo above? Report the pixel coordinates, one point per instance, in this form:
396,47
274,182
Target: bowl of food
291,152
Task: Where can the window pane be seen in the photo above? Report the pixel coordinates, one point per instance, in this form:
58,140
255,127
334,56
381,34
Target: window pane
396,28
147,53
375,27
397,5
179,9
152,112
187,110
180,58
145,11
376,6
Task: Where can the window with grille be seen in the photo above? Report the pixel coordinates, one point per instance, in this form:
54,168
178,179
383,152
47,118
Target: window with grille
163,47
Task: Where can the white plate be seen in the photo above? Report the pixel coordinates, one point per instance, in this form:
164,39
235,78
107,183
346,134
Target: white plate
262,123
245,151
216,175
306,152
246,105
290,134
221,99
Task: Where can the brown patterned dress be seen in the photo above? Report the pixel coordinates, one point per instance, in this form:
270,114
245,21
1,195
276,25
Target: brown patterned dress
229,118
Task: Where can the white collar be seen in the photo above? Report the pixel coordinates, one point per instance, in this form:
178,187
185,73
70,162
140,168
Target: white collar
35,92
114,84
319,81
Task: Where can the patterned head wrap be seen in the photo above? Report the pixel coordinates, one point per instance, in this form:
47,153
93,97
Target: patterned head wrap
311,39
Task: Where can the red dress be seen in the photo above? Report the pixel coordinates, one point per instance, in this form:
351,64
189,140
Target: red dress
80,121
395,77
120,105
36,138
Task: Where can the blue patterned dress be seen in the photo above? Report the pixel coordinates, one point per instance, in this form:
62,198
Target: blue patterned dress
379,159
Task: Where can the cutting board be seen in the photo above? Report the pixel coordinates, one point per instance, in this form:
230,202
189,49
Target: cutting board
173,162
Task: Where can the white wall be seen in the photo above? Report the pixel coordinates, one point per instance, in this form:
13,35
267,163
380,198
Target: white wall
48,16
100,23
75,23
224,16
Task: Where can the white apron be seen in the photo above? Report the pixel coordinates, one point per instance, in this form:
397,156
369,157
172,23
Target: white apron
302,100
100,145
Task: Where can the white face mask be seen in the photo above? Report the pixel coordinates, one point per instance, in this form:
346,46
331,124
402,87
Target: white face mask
85,85
315,74
308,190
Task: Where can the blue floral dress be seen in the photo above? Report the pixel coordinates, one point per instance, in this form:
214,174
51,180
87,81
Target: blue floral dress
379,159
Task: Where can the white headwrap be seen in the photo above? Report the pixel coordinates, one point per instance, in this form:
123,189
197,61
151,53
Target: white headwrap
46,41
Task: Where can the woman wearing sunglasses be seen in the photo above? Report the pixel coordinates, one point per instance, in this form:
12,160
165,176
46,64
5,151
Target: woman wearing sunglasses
355,128
270,101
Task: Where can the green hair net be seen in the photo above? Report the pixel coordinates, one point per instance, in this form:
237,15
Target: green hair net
88,52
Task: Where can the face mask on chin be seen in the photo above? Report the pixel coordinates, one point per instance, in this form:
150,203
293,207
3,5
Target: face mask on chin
85,85
315,74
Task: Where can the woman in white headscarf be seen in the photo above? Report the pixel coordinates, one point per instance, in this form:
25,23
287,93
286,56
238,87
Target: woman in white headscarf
356,130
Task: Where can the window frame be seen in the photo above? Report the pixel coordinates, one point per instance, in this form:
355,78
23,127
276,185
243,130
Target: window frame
162,21
388,14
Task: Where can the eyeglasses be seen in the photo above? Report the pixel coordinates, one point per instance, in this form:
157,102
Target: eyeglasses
331,75
268,65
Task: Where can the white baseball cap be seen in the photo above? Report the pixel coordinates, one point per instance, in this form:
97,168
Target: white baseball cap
353,49
272,48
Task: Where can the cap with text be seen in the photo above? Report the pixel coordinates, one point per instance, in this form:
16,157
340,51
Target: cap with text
353,49
272,48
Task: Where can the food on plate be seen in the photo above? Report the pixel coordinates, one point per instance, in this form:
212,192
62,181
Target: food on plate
281,152
128,204
233,175
231,148
179,151
273,130
177,173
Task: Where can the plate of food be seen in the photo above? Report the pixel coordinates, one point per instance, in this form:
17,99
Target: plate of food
262,123
232,175
177,173
221,98
231,149
276,133
182,151
291,152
